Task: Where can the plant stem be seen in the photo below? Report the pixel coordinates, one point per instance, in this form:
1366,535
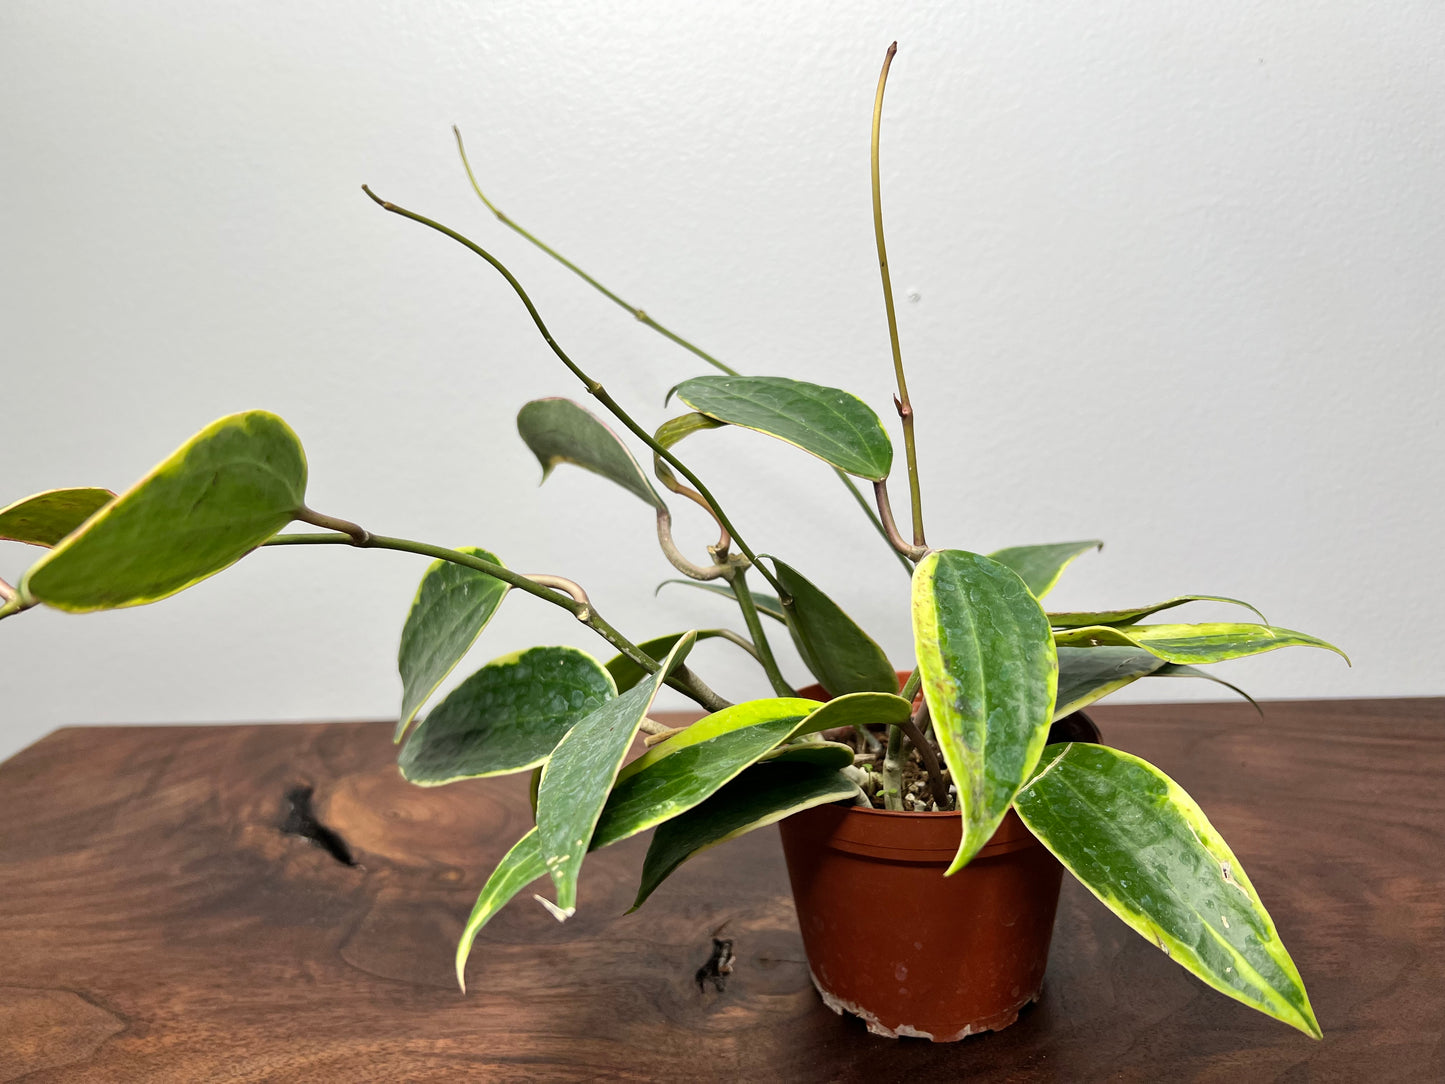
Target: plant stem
912,685
737,579
7,593
872,517
685,681
641,316
865,738
890,529
674,555
893,770
905,408
682,679
595,389
354,531
739,641
569,588
913,728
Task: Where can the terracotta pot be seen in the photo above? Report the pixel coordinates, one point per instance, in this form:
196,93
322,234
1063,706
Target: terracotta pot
911,952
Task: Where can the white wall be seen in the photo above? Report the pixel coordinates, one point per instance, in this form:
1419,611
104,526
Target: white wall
1179,282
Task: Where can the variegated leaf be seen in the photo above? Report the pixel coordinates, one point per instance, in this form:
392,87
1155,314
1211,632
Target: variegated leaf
627,673
212,501
1087,674
561,431
750,713
1041,566
507,717
453,604
580,772
843,657
986,656
837,427
1139,843
1125,617
1214,642
762,795
43,519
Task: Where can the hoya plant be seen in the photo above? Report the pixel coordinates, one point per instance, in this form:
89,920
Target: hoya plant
968,733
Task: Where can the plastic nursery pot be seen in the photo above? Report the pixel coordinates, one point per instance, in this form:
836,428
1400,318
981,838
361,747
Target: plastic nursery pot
891,940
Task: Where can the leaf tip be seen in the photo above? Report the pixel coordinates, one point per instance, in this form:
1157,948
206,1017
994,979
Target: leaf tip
1331,647
1304,1019
561,914
967,848
464,949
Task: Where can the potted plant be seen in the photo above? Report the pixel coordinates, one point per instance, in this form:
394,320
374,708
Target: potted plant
975,779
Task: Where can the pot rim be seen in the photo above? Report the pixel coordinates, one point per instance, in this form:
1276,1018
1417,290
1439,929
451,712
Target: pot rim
913,837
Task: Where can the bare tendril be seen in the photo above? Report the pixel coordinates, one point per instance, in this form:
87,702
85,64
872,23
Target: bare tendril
905,408
594,388
667,333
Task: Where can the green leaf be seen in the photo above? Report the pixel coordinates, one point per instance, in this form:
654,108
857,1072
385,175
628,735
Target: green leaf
580,773
1172,669
750,713
522,865
806,717
1124,617
1194,643
507,717
824,754
684,425
627,673
452,606
762,795
672,431
843,657
643,801
1041,566
766,604
560,431
1087,674
43,519
1138,842
675,784
215,499
837,427
635,804
989,671
856,709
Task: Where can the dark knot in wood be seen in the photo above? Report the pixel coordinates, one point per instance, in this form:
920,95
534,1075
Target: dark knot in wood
301,821
718,967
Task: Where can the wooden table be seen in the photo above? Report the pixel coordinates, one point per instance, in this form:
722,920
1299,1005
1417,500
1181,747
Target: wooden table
158,924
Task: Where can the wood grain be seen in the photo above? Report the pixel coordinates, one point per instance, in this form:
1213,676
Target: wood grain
157,924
